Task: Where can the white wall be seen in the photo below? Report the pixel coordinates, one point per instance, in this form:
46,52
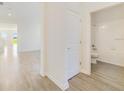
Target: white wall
109,35
30,27
56,44
29,36
87,9
57,27
55,20
29,20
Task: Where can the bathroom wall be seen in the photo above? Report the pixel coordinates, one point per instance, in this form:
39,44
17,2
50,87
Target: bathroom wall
86,10
108,34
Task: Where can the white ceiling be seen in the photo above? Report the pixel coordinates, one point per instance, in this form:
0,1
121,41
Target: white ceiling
20,11
31,11
109,14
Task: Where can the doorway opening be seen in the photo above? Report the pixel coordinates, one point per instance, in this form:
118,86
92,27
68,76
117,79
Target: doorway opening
8,38
107,41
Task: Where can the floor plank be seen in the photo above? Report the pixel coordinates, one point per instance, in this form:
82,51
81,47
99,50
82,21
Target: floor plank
21,72
104,77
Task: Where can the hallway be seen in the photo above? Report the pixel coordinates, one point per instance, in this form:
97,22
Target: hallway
21,71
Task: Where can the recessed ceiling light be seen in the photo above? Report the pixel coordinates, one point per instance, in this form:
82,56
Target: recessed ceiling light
9,14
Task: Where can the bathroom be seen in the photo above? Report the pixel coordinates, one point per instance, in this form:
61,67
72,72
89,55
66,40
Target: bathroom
107,36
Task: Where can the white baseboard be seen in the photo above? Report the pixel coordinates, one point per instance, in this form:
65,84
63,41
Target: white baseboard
85,72
27,50
105,61
42,74
61,85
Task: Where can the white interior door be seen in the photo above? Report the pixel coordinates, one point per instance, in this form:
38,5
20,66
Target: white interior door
73,44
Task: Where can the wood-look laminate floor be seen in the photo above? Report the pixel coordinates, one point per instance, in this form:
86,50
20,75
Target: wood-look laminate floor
104,77
21,72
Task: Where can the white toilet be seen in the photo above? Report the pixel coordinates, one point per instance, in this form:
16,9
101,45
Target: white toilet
94,56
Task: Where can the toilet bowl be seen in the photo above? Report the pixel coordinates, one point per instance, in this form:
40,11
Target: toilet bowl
94,57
